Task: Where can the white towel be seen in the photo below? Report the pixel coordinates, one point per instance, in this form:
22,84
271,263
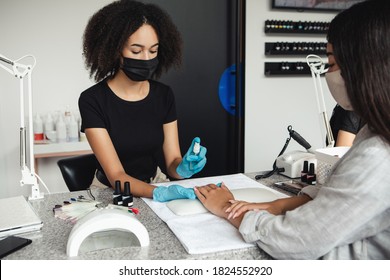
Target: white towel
206,233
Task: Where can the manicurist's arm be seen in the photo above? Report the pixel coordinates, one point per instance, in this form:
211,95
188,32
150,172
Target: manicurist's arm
104,150
344,139
171,148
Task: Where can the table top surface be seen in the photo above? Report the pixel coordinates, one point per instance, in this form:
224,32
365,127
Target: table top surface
51,241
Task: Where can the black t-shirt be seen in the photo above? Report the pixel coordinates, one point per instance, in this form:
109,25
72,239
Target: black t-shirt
135,128
344,120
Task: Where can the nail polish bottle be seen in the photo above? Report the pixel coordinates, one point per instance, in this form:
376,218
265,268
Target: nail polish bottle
311,176
304,171
127,197
117,196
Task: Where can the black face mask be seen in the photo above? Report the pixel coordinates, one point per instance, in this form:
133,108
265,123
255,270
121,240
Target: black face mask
138,69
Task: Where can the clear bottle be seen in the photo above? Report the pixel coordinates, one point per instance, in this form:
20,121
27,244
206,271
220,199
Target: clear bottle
73,130
67,114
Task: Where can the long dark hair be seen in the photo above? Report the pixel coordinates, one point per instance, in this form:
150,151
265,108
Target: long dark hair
109,28
360,37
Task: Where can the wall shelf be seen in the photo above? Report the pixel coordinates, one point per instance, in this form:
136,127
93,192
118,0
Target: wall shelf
299,27
295,48
299,68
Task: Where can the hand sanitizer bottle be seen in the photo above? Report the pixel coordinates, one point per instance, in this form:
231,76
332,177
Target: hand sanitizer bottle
195,151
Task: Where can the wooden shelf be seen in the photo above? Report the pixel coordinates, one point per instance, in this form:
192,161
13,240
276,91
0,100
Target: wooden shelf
44,150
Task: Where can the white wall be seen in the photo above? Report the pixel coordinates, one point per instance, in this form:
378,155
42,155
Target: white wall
273,103
51,30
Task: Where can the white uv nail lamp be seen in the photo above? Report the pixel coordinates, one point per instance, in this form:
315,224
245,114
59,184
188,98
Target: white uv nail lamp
106,228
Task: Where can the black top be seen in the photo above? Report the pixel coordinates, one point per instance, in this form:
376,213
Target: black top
344,120
135,128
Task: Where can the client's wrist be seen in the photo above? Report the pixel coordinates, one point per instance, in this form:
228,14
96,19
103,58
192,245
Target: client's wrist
225,214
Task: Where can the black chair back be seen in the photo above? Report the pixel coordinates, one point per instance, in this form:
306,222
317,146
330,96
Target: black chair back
78,172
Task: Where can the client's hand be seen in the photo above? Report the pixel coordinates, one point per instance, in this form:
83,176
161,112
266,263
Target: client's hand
276,207
241,207
215,199
172,192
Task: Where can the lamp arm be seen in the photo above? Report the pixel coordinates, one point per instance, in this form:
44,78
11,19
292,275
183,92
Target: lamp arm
317,68
6,60
20,71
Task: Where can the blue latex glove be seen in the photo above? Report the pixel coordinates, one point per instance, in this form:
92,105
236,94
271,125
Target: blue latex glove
192,163
172,192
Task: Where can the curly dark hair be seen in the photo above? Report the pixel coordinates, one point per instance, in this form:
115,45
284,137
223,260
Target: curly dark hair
360,37
108,30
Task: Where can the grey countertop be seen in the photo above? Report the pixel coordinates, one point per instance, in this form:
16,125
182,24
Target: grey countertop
50,243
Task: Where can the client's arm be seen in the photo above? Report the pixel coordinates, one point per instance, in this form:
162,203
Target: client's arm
220,201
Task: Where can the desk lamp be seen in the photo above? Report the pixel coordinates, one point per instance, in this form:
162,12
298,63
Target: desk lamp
20,71
317,67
